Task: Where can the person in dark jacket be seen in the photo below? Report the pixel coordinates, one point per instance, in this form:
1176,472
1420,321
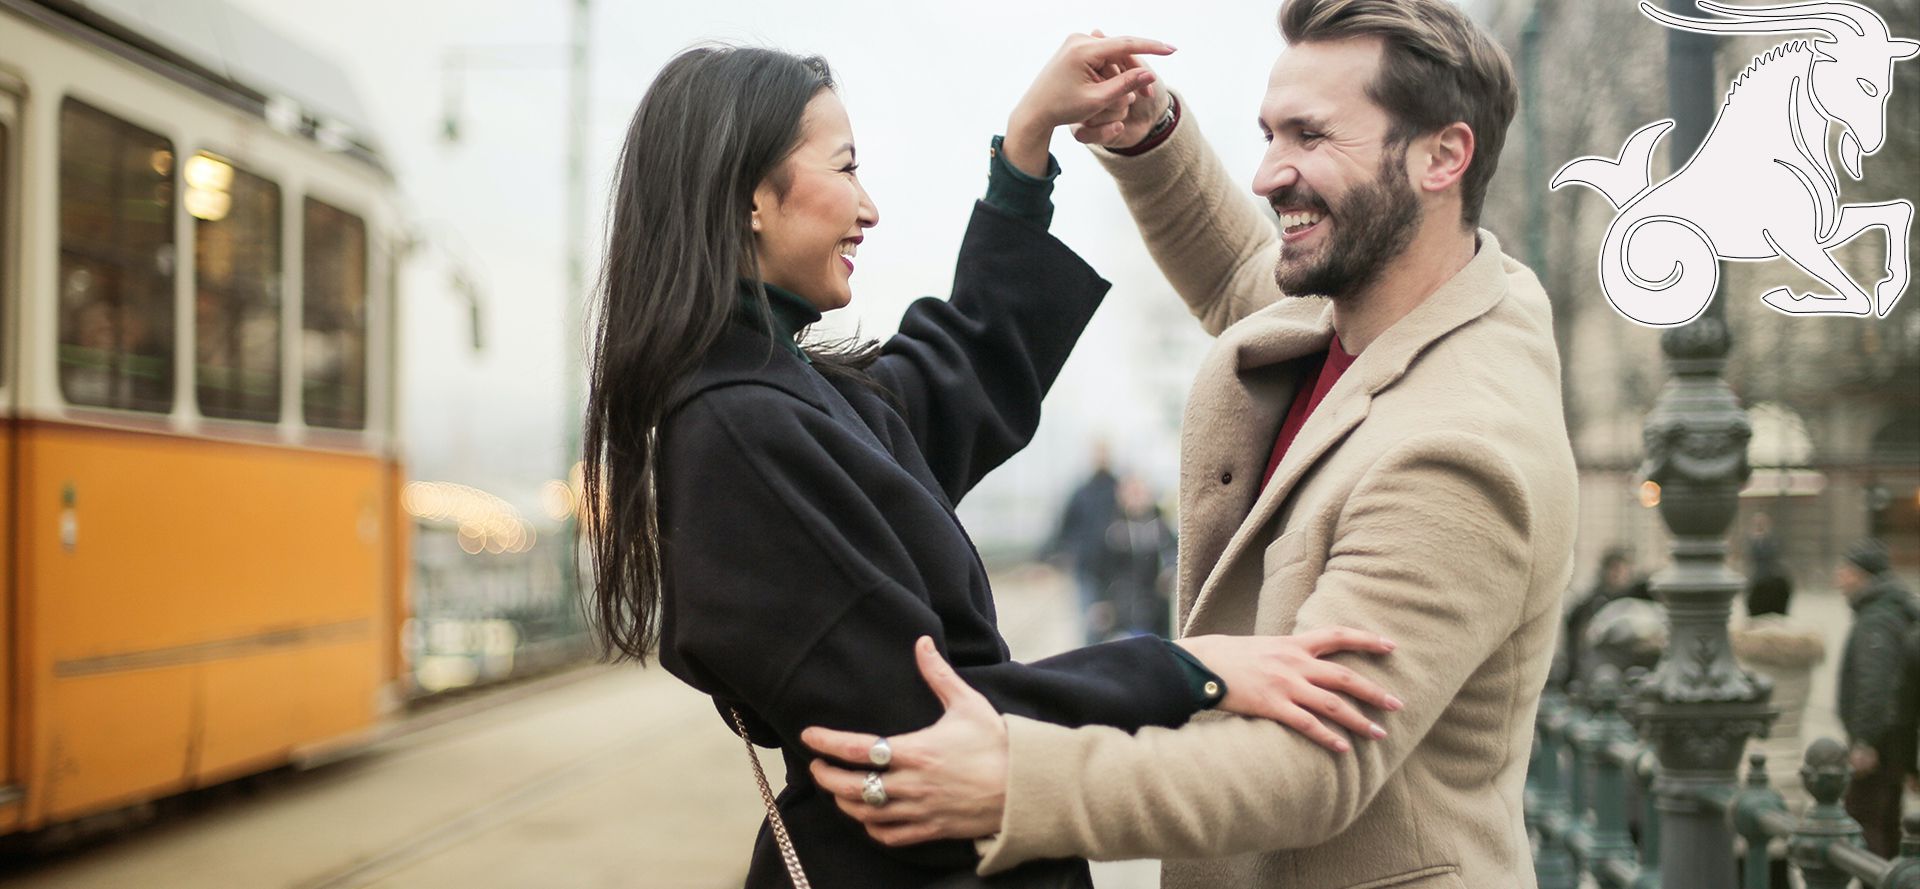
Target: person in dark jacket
1616,580
776,519
1769,586
1081,539
1138,547
1877,691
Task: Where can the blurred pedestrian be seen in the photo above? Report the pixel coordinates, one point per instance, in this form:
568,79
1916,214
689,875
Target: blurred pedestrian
1081,541
1616,580
1769,586
775,515
1139,547
1878,692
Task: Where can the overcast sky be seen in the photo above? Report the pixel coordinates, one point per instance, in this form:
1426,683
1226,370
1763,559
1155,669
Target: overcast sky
926,86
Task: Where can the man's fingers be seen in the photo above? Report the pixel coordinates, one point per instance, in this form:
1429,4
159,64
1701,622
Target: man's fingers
1114,91
905,834
939,676
1316,731
1087,135
835,780
894,813
850,786
1328,640
843,746
1106,116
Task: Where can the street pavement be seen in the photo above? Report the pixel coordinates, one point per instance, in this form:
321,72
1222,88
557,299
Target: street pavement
600,777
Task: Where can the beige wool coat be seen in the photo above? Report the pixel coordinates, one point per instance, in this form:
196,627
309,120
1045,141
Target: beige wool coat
1430,497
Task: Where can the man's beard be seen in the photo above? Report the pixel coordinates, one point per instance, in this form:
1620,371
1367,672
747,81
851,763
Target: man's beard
1373,224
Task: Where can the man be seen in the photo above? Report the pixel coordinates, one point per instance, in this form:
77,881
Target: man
1877,692
1081,539
1394,460
1616,581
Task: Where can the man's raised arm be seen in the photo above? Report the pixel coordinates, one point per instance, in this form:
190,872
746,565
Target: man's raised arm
1206,233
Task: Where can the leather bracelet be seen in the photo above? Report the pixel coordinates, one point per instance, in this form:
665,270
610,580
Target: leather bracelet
1158,134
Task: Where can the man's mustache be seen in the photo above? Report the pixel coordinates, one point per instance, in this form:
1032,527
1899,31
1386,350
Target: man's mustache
1296,198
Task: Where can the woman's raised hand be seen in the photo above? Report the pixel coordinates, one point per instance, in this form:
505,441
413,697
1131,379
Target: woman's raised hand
1086,80
1287,680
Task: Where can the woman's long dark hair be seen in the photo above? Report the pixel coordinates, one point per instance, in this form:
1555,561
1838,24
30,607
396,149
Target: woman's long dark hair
714,124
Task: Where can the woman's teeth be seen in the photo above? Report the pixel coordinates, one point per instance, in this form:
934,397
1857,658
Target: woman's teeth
1298,222
848,249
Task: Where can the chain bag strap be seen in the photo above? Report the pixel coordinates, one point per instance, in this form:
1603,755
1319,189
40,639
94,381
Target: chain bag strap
787,854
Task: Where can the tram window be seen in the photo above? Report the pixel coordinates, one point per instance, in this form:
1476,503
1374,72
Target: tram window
334,318
6,241
236,251
116,262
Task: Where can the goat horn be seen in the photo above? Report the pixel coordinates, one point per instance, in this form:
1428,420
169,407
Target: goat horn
1733,26
1854,16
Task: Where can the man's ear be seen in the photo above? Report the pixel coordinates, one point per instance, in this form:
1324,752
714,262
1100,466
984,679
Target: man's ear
1445,159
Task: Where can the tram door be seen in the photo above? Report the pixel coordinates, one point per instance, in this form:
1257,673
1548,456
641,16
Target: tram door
9,401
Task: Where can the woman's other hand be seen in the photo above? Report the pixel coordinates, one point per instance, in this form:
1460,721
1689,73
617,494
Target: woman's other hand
1126,123
1287,680
1090,79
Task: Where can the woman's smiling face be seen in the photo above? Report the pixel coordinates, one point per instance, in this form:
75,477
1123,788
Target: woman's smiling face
811,214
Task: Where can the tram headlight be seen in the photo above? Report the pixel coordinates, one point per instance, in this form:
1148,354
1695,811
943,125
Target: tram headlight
208,182
211,206
207,172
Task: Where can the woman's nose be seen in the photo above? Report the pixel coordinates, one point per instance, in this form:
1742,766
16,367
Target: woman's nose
869,212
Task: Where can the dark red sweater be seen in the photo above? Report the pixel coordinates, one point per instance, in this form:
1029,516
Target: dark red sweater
1324,372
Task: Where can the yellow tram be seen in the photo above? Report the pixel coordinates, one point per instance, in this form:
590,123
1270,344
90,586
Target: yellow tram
202,550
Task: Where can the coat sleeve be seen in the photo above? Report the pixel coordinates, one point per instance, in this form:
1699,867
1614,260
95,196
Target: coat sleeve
1207,234
790,589
968,373
1226,785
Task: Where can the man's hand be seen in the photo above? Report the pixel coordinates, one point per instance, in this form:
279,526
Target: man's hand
1092,81
1865,759
946,781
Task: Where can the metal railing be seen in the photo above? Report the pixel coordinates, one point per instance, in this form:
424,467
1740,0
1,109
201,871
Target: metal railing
1591,806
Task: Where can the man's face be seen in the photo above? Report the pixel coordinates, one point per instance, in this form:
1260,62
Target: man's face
1344,195
1849,579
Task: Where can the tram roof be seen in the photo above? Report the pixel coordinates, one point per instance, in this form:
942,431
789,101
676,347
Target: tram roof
242,59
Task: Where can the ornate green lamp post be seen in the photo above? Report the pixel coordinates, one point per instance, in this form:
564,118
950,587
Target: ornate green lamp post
1698,707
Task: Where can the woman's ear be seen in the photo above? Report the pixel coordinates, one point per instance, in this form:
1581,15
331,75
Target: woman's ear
765,198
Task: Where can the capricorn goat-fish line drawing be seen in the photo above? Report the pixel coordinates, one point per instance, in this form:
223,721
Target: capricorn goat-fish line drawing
1761,184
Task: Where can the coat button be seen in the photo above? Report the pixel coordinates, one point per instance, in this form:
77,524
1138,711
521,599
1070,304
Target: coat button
1212,689
1226,478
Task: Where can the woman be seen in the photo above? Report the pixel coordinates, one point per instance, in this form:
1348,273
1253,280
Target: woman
782,515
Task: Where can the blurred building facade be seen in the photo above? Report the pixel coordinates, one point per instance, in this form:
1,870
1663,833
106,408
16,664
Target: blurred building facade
1834,402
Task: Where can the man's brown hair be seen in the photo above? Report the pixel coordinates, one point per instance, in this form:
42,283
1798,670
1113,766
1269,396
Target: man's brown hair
1438,67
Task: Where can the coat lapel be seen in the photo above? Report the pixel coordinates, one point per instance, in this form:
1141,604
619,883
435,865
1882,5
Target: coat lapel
1239,396
1276,334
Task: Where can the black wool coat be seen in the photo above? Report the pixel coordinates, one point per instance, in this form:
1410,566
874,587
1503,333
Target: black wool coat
808,537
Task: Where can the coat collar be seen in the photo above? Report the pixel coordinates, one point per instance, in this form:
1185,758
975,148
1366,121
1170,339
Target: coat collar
1286,331
746,354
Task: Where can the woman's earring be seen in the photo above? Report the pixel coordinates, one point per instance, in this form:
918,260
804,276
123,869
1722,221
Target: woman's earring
756,223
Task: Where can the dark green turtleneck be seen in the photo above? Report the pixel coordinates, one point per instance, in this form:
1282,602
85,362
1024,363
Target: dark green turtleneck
791,313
